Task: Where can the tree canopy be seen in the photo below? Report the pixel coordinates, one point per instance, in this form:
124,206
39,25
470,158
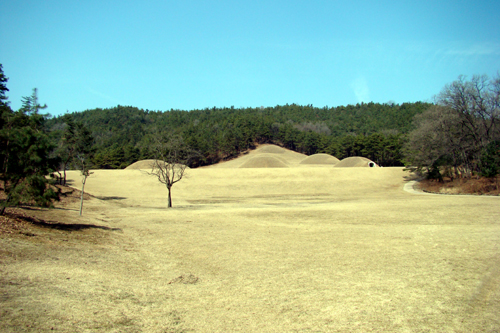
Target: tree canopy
124,134
25,153
458,133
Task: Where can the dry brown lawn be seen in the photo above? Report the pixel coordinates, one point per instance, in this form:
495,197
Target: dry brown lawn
298,249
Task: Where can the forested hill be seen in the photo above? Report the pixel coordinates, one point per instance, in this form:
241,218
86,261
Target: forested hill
123,134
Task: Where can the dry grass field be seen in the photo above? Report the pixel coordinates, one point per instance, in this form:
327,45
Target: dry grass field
295,248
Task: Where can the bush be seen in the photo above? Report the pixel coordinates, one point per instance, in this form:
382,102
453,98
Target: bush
490,160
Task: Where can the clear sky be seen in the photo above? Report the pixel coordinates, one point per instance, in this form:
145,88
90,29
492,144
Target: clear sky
186,55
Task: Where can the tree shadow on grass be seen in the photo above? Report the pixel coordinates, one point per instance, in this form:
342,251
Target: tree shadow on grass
110,198
71,192
70,182
58,225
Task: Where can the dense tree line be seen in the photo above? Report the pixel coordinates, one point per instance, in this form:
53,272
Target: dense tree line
124,134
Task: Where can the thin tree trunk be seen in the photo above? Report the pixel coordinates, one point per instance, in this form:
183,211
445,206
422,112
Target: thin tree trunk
2,210
81,198
169,197
59,178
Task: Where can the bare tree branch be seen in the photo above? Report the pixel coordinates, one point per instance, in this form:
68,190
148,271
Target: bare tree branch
457,129
172,157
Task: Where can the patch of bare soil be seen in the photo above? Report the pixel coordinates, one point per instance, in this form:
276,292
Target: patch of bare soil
185,279
478,186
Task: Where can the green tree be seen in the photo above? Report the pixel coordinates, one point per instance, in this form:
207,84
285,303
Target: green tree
30,104
109,158
24,158
67,145
3,87
490,160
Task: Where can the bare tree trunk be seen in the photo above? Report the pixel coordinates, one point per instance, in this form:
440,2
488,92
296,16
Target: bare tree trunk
81,198
169,197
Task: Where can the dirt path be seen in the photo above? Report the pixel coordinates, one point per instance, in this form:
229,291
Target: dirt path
258,250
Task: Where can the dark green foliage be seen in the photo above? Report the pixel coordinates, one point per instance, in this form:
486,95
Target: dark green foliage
385,150
435,170
490,160
84,152
110,158
3,86
84,142
24,155
66,147
74,141
123,134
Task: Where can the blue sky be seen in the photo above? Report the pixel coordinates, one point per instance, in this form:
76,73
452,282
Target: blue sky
162,55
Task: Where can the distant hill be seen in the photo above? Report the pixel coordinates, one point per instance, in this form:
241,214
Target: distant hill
123,134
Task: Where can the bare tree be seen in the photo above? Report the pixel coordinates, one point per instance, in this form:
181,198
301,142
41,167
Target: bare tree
454,132
172,156
477,103
434,141
84,169
83,153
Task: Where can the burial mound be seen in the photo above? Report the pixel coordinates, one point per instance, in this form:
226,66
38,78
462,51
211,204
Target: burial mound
264,161
141,165
271,149
144,164
318,159
355,161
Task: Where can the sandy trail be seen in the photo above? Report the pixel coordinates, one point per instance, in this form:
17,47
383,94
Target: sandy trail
317,249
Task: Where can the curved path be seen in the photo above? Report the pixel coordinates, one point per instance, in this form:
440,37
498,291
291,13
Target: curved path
410,188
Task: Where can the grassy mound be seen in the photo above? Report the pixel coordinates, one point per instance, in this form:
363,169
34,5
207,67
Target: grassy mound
354,162
272,149
264,161
141,165
320,159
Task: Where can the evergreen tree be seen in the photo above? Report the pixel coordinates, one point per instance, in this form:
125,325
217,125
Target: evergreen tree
490,160
24,158
67,145
3,87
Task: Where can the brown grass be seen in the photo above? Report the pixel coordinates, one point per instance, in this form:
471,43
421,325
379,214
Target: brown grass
304,249
354,161
477,186
320,159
